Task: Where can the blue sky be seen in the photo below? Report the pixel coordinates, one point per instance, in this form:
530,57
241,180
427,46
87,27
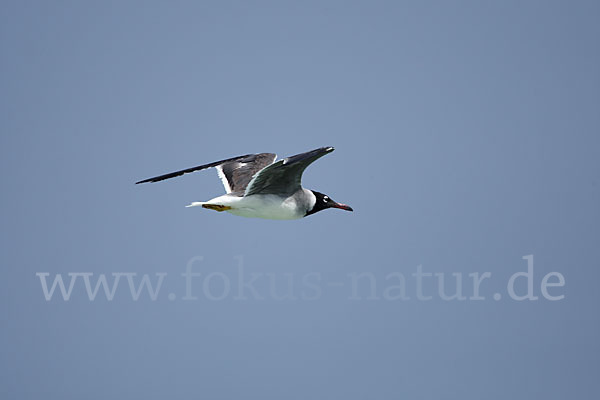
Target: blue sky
466,138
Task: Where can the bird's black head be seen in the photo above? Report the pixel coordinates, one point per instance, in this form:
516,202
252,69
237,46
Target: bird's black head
323,202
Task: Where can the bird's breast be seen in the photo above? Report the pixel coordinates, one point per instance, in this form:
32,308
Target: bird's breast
268,207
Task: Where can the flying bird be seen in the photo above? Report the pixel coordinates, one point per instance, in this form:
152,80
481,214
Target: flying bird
257,186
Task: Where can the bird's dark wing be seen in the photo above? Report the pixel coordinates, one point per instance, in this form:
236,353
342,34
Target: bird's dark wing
236,175
284,176
235,172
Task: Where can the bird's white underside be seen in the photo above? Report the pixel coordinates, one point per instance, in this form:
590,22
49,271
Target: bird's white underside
266,206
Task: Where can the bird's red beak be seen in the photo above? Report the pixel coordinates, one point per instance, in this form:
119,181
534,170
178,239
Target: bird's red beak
342,206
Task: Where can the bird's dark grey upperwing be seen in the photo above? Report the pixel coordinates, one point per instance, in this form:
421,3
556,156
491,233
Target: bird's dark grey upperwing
285,176
236,175
238,171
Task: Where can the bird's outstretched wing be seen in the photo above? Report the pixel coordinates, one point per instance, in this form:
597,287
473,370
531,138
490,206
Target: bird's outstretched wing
235,173
284,176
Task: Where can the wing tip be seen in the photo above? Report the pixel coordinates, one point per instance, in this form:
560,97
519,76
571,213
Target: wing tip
149,180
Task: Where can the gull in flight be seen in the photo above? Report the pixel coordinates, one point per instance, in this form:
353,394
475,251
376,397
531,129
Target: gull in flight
257,186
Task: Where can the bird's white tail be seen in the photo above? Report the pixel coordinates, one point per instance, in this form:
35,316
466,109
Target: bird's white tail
196,204
210,206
